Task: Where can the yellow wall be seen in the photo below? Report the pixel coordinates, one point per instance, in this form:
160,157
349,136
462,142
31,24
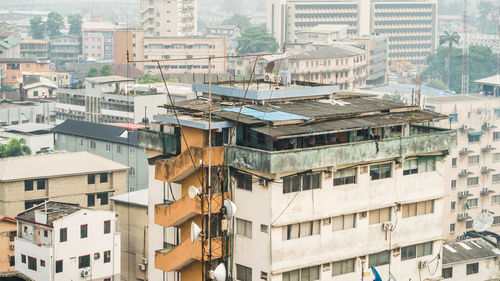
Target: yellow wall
5,252
194,137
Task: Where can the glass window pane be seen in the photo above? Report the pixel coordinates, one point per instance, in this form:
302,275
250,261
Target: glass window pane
349,221
337,223
305,229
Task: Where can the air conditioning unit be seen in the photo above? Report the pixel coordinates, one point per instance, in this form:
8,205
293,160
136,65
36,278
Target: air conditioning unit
263,182
484,210
97,256
422,264
396,251
11,246
145,260
466,127
488,125
142,267
86,272
271,78
485,191
387,226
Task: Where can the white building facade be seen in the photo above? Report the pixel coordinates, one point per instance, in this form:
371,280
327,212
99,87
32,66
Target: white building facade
65,242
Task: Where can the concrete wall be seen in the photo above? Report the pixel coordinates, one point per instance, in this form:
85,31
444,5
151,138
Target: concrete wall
35,142
488,270
16,113
6,251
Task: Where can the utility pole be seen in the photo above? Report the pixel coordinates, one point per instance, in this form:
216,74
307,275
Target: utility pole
465,54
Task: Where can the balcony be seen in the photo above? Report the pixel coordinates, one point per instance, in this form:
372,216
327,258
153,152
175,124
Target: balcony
177,257
178,168
176,213
167,144
278,162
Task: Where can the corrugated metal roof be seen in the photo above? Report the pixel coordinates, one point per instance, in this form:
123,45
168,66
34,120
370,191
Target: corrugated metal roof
29,127
467,250
139,197
492,80
338,50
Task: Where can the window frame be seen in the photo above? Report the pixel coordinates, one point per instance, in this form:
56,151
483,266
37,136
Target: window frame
107,226
449,271
343,179
63,234
380,174
379,256
472,268
84,261
59,266
84,231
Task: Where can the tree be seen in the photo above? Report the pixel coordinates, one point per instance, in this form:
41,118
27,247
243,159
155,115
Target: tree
255,40
15,147
75,24
450,37
93,72
54,23
394,97
106,70
241,21
148,78
437,84
482,63
38,28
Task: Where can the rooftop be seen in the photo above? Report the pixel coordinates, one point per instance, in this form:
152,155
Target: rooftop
108,79
491,81
459,98
18,60
468,250
7,218
10,42
336,50
56,164
48,212
29,128
104,132
139,198
408,89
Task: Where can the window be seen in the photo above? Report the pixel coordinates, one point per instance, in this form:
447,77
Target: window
496,135
243,181
496,220
132,151
118,149
453,205
472,181
468,224
103,177
104,198
344,222
344,176
23,258
93,144
452,227
63,235
264,228
311,181
410,167
495,178
12,261
42,263
496,157
131,171
40,184
472,268
108,147
453,162
304,181
81,142
91,179
472,203
418,208
475,137
299,230
343,267
474,159
35,93
495,199
107,227
381,171
90,200
304,274
380,215
45,233
107,256
30,203
32,263
243,273
453,184
414,251
244,227
447,272
59,266
28,185
84,261
426,164
379,259
84,231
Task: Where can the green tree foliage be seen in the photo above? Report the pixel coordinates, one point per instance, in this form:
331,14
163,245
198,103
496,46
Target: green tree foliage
449,37
241,21
93,72
38,28
106,70
15,147
394,97
75,24
54,23
148,78
482,63
437,84
255,40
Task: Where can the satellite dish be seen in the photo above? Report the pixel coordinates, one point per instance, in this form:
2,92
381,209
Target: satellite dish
195,232
193,192
270,67
219,273
483,222
230,208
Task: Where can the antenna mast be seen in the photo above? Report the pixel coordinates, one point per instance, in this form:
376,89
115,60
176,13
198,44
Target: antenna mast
465,54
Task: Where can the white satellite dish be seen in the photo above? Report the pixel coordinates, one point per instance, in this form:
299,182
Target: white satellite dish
193,192
230,208
195,232
483,222
219,273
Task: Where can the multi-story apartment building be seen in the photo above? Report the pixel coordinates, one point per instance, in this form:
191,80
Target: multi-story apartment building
376,48
409,25
35,48
12,68
472,180
80,177
59,241
169,18
230,32
65,48
97,41
10,47
8,228
13,113
112,142
326,185
339,64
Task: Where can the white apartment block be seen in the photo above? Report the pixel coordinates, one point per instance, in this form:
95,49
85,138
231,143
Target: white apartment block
169,17
59,241
472,178
409,25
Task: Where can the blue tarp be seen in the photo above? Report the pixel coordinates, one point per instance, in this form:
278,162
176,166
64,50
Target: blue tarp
267,116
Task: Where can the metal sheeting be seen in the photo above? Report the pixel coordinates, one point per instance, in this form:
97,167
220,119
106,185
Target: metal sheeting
273,116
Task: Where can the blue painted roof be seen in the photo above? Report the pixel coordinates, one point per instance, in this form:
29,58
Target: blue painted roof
273,116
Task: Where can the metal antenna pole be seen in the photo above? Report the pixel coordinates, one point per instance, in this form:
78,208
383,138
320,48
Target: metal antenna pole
465,55
209,159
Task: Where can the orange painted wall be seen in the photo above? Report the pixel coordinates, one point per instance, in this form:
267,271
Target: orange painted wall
11,75
194,137
5,251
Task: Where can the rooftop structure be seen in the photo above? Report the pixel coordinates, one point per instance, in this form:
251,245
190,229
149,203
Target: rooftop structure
38,136
491,85
12,113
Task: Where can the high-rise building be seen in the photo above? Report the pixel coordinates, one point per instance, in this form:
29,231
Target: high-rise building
169,17
326,185
97,41
410,26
